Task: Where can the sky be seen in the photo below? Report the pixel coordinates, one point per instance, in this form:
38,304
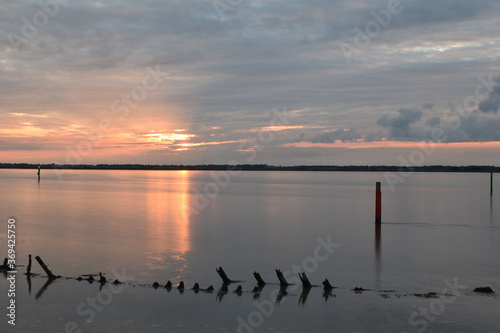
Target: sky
296,82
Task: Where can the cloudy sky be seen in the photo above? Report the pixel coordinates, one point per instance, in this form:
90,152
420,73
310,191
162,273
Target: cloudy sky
278,82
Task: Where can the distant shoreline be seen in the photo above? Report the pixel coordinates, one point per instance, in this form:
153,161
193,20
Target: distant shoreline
257,167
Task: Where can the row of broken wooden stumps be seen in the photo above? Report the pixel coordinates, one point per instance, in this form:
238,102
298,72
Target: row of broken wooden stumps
225,279
6,268
224,289
306,284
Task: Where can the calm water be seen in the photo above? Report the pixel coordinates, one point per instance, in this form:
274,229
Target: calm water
159,226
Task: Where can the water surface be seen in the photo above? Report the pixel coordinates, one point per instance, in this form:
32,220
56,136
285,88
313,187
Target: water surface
181,225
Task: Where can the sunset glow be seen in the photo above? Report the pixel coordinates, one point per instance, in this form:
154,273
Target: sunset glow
169,138
301,90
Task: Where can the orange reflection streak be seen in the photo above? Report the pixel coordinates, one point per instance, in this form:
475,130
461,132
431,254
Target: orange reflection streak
183,208
167,207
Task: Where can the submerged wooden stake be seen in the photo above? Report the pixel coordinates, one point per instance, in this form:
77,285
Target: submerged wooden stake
259,279
281,277
223,275
45,268
4,265
28,270
327,285
305,280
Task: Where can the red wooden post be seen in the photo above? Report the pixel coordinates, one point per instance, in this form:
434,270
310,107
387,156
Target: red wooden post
378,204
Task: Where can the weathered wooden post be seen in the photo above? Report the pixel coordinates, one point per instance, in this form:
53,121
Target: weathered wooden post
305,280
281,278
223,275
378,204
180,287
327,285
4,266
28,270
168,286
38,172
491,184
45,268
259,279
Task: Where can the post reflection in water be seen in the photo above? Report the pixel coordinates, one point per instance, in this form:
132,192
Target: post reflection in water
491,209
303,295
44,287
378,246
168,223
28,278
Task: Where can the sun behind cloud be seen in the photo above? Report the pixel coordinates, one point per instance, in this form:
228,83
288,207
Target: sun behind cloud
167,138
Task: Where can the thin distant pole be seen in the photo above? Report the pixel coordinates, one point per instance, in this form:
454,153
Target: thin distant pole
38,172
378,204
491,184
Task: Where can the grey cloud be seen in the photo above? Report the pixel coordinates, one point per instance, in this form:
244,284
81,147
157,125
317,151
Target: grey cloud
475,128
375,136
301,137
434,121
492,102
431,11
400,126
344,135
406,118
